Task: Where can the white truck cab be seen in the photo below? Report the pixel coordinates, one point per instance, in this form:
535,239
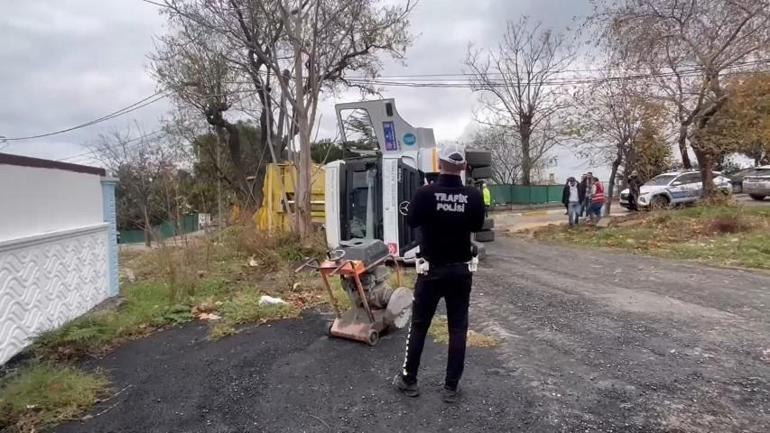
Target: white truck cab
368,197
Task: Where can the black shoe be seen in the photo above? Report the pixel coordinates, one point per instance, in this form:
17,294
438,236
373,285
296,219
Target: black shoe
409,390
450,395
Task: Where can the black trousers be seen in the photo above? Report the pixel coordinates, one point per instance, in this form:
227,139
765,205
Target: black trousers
633,203
453,283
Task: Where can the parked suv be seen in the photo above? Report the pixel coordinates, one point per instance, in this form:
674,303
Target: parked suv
668,189
757,184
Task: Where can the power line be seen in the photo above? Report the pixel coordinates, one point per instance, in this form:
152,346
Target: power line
95,151
161,5
469,84
497,79
452,76
125,110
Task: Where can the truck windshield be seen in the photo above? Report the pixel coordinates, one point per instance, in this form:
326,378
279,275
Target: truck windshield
661,180
359,130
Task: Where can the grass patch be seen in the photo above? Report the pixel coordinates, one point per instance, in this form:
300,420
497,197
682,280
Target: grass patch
43,395
439,330
245,308
408,278
223,274
719,235
340,295
146,307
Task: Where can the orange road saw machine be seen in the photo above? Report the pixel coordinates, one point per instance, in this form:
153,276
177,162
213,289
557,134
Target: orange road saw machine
362,268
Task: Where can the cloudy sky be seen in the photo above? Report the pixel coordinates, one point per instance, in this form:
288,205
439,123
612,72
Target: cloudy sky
65,62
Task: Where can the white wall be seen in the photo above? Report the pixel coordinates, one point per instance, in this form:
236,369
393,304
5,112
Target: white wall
42,200
48,280
54,250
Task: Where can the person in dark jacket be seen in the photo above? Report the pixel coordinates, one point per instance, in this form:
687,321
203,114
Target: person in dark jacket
634,191
446,214
566,205
573,196
585,183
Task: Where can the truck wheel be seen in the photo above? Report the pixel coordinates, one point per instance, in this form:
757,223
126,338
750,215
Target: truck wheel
478,158
489,224
757,197
485,236
481,173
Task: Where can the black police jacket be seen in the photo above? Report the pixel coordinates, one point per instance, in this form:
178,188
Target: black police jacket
446,212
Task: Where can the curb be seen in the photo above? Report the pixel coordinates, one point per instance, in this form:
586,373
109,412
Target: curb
539,212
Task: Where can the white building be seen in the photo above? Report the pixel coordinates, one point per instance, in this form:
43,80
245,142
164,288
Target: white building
58,249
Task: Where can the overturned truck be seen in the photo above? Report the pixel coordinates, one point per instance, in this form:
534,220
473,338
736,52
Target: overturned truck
367,194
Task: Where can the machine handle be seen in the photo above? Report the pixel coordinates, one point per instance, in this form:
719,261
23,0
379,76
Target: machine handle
311,263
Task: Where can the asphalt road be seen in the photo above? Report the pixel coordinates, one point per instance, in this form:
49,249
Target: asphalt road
591,342
512,221
745,199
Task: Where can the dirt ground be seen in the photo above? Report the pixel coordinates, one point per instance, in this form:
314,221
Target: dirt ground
591,342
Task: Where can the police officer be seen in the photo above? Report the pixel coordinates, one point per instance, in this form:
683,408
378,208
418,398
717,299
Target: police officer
446,213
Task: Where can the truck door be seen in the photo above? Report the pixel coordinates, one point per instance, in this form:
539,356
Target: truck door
361,207
409,180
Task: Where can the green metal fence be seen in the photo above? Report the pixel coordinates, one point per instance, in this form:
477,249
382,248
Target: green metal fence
166,229
526,195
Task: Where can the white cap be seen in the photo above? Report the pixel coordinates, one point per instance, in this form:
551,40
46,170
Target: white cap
452,153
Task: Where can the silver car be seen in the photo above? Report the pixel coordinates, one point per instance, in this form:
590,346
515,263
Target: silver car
757,185
675,188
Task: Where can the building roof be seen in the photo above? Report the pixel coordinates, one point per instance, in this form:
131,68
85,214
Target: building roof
26,161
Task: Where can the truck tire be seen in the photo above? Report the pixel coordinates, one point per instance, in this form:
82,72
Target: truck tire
757,197
489,224
481,173
478,158
485,236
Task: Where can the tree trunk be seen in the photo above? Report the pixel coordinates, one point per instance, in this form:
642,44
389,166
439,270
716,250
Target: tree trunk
147,228
302,193
705,162
525,131
611,187
302,188
683,148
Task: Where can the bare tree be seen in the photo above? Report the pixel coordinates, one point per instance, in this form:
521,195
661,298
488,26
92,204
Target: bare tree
300,48
506,152
689,47
615,109
144,165
516,81
192,63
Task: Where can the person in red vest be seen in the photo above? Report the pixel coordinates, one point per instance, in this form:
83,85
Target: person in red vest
597,200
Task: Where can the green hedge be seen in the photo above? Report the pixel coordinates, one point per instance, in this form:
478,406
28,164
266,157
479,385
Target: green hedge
526,195
166,229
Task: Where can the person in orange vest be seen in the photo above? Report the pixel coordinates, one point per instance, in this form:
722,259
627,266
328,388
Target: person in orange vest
597,200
